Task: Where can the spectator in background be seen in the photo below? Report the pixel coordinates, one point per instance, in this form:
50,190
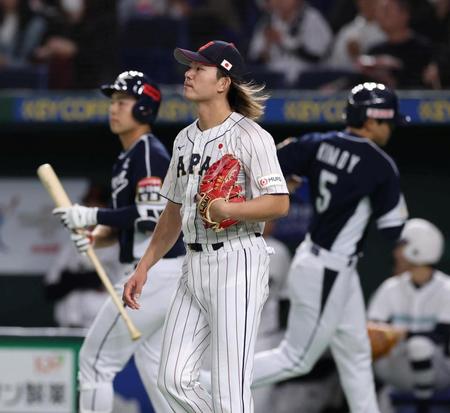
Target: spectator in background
137,8
60,47
424,19
80,43
400,60
442,9
129,9
356,37
341,12
290,39
21,31
203,19
322,5
72,283
437,73
209,19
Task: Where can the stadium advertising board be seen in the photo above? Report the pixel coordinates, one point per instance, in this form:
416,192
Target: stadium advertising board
295,107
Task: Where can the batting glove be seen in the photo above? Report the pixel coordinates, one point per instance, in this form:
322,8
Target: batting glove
82,241
77,216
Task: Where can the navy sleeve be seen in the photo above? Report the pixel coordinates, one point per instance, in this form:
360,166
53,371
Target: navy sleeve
386,195
118,218
388,203
295,154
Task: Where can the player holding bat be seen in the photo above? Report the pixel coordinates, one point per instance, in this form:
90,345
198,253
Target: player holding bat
136,206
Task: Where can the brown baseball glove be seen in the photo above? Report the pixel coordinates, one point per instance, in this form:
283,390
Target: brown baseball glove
383,338
219,182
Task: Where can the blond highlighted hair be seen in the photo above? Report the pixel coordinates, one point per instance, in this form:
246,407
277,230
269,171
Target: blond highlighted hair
247,98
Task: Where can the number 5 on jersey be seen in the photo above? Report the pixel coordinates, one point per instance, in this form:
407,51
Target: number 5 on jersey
323,199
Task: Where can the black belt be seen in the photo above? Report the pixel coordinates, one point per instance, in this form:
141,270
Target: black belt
197,247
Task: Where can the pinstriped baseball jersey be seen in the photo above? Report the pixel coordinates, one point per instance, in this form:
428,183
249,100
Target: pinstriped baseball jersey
195,150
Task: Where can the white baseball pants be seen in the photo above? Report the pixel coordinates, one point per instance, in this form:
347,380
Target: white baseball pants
327,309
108,346
218,303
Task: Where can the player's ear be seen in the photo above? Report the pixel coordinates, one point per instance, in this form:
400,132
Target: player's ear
223,84
370,124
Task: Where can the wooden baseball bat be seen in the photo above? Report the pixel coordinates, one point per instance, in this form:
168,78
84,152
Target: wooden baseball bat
56,191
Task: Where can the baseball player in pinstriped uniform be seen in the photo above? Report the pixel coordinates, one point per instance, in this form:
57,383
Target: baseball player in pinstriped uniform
417,300
225,274
351,181
136,206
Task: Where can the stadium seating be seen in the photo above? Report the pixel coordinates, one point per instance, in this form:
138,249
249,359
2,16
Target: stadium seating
147,44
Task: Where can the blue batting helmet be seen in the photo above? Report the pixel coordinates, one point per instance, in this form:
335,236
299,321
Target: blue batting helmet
143,89
375,101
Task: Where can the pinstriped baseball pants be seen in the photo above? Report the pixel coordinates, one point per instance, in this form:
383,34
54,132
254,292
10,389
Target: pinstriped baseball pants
218,304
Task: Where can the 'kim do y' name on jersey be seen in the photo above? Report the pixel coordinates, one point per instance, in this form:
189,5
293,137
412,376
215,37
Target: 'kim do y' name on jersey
351,180
146,158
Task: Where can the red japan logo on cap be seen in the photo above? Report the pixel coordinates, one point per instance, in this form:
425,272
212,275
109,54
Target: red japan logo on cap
226,64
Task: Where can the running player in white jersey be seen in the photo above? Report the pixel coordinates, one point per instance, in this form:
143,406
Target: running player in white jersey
351,180
136,206
417,300
225,274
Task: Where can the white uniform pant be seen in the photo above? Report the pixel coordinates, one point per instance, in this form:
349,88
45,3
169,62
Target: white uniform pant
108,346
218,303
327,309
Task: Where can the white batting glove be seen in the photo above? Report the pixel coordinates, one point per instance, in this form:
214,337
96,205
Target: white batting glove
82,241
77,216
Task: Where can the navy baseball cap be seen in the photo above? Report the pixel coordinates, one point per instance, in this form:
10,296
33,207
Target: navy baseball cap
218,53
